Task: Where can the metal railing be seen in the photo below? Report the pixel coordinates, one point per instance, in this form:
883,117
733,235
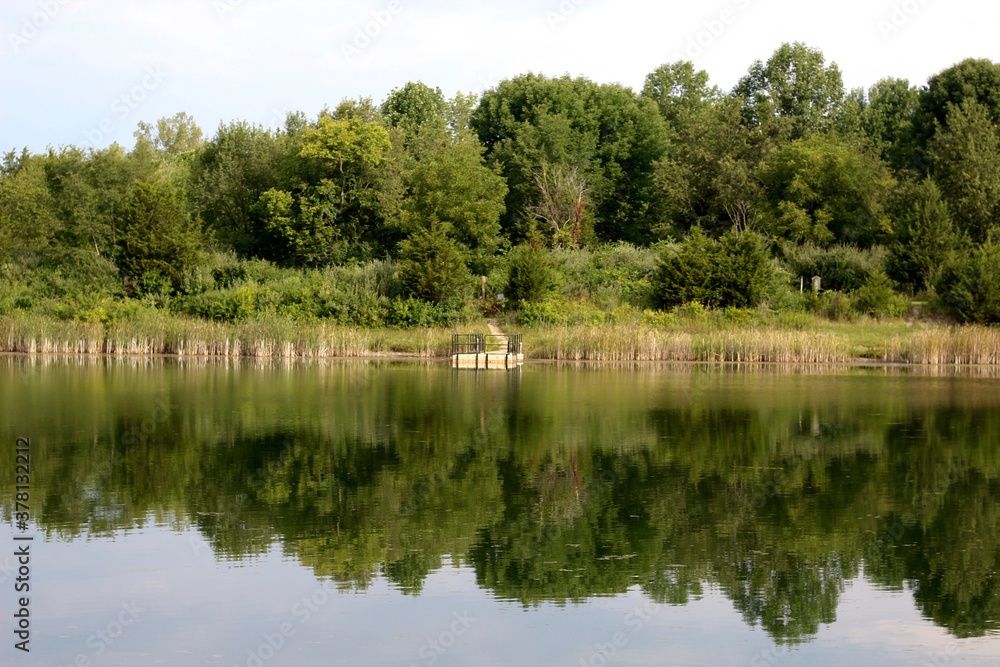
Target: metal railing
486,343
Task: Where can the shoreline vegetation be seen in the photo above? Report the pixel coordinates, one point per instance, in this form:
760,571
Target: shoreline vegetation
688,340
788,220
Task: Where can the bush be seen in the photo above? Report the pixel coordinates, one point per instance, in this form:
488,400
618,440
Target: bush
432,266
735,271
553,311
157,242
843,268
530,276
832,305
970,287
877,298
925,237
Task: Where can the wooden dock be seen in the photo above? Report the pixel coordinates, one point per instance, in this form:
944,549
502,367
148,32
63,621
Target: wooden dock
486,351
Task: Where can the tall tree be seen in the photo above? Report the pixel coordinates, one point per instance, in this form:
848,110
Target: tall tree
28,221
171,136
608,133
453,185
229,176
889,118
793,94
415,108
824,189
562,203
157,241
924,237
678,88
966,165
708,175
974,80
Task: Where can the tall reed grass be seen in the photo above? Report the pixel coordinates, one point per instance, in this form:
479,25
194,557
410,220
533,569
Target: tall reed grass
857,342
157,333
164,334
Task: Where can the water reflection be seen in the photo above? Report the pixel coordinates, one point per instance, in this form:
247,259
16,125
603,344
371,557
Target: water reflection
554,485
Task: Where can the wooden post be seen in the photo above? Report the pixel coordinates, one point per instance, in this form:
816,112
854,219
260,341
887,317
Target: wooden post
802,284
484,288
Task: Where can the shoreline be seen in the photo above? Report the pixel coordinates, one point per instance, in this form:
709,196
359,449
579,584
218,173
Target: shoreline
867,342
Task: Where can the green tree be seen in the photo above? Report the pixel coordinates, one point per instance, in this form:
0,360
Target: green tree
157,242
306,226
349,146
608,133
888,119
679,89
432,265
744,275
923,236
239,164
966,166
824,189
170,136
708,176
793,94
28,221
972,80
453,185
416,108
734,271
529,274
970,285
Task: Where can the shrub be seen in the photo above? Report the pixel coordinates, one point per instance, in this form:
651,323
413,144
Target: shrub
530,276
157,242
877,298
970,287
735,271
432,266
925,237
843,268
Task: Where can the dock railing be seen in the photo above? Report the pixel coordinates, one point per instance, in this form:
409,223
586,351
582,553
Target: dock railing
486,343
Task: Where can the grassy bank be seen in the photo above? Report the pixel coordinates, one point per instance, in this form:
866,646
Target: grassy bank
711,337
163,333
919,344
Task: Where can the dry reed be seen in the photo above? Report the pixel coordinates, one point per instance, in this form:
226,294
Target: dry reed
163,334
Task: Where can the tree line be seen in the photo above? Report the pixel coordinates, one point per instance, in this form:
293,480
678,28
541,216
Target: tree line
894,190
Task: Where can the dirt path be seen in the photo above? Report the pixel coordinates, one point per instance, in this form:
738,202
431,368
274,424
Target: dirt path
494,327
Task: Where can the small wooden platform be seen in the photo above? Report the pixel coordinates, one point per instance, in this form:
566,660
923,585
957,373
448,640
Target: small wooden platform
486,351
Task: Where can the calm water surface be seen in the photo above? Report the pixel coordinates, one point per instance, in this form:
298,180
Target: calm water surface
377,513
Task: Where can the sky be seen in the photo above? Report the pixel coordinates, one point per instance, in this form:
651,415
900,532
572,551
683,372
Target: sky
86,72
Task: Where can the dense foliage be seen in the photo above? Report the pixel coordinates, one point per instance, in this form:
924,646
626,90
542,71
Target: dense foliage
788,176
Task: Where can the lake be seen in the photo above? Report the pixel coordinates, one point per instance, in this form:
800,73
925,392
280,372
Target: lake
403,513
